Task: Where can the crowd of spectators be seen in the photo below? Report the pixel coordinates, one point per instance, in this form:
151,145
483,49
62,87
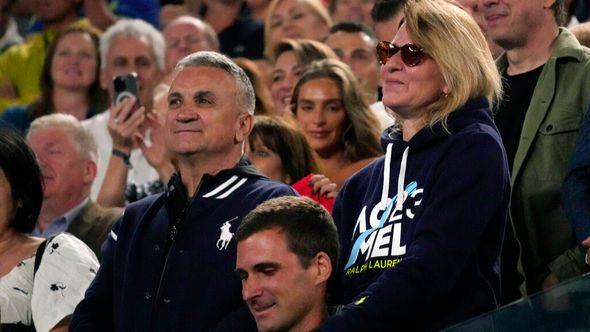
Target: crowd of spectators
442,147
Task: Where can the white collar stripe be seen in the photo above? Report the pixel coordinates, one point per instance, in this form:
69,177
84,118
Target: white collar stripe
232,189
113,235
221,187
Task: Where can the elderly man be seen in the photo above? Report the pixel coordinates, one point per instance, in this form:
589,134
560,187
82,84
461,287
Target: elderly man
547,79
128,168
287,250
185,35
168,264
67,156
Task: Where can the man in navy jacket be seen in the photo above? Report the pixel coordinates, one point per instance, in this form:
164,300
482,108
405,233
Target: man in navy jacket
168,263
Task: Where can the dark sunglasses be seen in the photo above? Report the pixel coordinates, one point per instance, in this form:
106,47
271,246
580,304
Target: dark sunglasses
411,54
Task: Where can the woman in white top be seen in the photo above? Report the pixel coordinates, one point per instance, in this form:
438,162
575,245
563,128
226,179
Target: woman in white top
44,299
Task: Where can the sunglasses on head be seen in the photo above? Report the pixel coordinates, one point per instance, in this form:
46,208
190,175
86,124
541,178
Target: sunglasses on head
411,54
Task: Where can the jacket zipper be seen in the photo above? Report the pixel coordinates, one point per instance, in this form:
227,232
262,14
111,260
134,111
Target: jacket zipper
169,246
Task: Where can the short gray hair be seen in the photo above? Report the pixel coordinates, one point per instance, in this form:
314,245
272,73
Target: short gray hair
217,60
134,29
80,136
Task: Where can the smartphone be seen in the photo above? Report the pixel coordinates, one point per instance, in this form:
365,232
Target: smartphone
125,86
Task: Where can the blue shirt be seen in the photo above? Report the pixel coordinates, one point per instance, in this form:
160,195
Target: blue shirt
61,223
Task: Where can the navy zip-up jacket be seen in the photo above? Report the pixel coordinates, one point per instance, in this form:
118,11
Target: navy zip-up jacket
431,259
168,264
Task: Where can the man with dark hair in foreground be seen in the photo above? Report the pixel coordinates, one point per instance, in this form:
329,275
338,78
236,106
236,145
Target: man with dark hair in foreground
287,250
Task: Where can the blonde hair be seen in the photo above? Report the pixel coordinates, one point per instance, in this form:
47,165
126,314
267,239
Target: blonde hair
314,5
450,36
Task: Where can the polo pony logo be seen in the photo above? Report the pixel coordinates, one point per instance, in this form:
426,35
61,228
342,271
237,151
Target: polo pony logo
226,235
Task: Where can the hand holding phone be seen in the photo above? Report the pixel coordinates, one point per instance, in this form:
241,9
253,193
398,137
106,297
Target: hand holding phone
125,86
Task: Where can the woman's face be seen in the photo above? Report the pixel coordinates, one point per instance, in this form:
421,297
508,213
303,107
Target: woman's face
285,74
74,63
321,114
265,160
409,90
7,210
293,19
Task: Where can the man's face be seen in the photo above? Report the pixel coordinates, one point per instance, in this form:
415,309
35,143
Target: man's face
203,112
66,171
53,11
357,50
130,54
182,39
279,291
354,10
510,22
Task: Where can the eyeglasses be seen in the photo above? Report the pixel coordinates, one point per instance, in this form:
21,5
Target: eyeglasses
411,54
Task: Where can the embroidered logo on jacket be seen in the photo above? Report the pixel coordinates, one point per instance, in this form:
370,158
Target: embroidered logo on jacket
226,235
377,235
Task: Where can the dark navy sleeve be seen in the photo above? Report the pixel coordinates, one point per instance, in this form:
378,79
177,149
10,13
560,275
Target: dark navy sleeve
471,185
576,187
95,311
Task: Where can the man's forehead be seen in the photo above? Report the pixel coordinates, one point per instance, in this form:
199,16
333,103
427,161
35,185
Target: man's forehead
129,46
202,76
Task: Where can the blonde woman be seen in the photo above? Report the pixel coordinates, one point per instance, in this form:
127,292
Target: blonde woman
421,228
295,19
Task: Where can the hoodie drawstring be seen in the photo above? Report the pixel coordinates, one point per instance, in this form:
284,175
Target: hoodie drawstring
400,179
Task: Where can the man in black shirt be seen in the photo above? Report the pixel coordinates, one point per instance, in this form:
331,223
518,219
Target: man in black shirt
547,79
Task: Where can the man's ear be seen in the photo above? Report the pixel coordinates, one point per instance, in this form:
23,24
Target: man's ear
244,127
322,267
90,170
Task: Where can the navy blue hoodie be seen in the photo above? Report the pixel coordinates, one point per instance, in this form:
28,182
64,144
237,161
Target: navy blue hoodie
431,259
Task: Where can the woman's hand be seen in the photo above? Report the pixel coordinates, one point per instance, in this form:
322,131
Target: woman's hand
156,153
323,186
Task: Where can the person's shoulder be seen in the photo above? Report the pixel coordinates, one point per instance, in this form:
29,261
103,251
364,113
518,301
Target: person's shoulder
103,214
270,186
68,246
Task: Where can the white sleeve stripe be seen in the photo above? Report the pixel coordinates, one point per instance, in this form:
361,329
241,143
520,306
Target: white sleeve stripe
113,235
221,187
236,186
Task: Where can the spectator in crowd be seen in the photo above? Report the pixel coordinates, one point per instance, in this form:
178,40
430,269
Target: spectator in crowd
336,120
387,16
421,229
239,34
129,168
264,104
105,13
290,57
16,88
191,227
259,9
547,78
69,81
8,29
355,44
40,282
278,148
295,19
287,250
474,9
352,11
67,154
185,35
